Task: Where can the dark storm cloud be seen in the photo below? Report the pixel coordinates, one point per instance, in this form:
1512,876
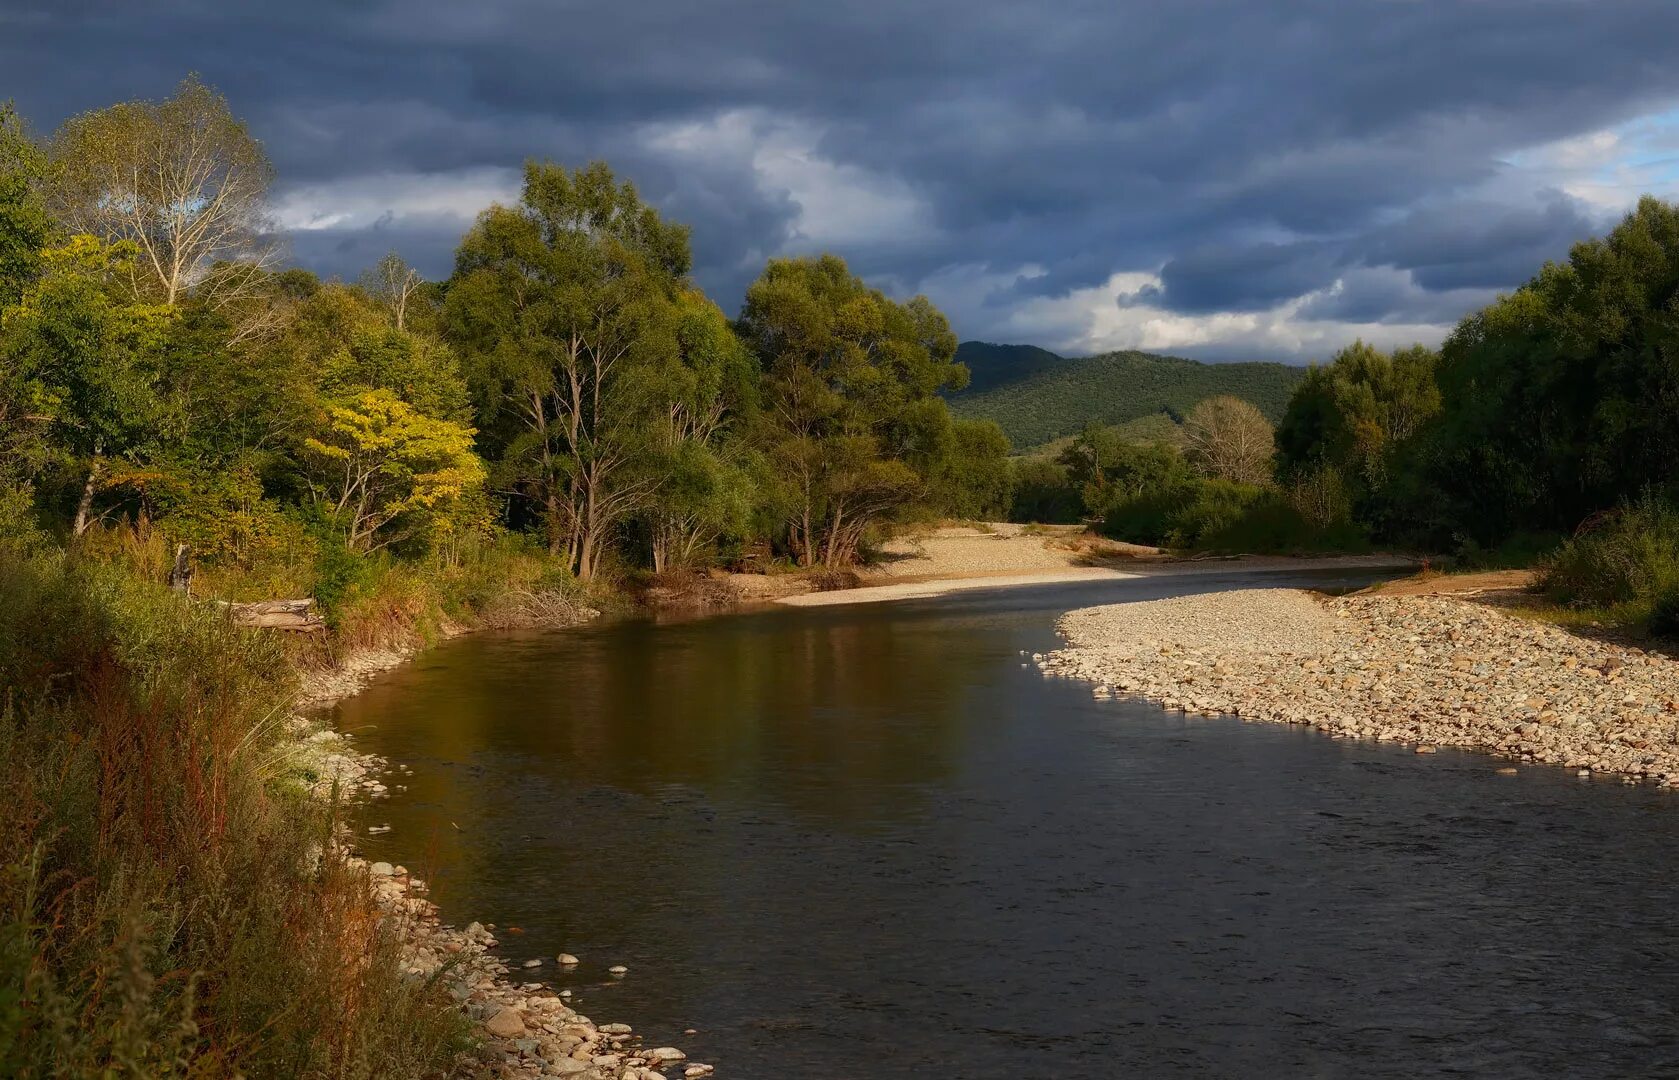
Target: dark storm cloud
1253,152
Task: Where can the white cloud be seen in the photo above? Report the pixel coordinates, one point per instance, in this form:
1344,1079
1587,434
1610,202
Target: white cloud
1109,317
1607,169
361,202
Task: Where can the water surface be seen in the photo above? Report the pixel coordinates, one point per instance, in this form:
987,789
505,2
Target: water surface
868,842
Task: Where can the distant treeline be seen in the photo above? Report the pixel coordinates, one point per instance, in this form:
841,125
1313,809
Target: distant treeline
1546,425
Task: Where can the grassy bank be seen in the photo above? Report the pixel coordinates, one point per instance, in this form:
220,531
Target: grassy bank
171,900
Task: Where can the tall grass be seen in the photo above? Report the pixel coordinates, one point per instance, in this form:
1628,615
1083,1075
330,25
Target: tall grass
172,904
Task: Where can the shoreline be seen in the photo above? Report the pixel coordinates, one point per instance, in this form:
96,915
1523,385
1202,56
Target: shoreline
1418,670
942,586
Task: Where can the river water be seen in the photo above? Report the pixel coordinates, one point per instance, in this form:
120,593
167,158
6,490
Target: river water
871,842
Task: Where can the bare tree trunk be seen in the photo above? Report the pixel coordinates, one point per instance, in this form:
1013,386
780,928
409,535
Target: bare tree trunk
552,504
84,509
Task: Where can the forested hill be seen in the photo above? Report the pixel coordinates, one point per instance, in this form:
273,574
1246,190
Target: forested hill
1047,396
990,366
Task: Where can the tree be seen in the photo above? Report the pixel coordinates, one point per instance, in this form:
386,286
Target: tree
564,308
26,228
850,385
697,455
380,460
181,179
1352,414
971,479
1561,399
394,285
1103,467
1228,439
90,359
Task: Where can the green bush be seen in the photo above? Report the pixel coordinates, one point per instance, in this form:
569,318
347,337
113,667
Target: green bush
1149,518
1042,492
1271,524
1630,557
1228,518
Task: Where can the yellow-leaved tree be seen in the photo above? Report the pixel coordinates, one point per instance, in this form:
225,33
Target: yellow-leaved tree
384,467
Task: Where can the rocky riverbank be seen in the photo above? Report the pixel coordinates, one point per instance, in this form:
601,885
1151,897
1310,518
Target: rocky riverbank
526,1029
1426,671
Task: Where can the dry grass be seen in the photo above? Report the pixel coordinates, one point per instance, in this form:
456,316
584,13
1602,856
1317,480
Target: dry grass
171,903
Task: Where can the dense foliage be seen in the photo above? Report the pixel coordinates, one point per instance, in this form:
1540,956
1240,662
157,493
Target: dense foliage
1059,399
568,382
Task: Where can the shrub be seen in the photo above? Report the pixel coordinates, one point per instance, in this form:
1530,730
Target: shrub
1147,518
1272,524
1627,557
1226,517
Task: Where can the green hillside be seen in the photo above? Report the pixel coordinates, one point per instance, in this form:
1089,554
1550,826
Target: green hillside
1059,397
992,365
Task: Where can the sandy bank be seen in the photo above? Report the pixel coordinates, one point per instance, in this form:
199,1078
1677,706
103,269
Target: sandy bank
1428,671
915,590
1004,579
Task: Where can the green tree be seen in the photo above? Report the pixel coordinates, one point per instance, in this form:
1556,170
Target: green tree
1102,467
1344,441
971,478
26,228
564,309
697,453
381,463
89,360
850,385
1562,399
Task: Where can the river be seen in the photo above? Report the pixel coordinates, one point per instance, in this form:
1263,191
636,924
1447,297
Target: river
873,842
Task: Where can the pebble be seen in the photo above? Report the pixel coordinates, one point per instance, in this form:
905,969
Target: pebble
566,959
618,969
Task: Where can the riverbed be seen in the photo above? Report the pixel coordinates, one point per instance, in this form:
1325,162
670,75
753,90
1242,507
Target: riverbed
876,842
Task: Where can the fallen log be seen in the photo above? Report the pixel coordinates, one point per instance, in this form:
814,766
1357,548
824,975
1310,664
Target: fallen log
269,607
290,615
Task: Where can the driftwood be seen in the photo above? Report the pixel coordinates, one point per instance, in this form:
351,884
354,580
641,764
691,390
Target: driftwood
292,615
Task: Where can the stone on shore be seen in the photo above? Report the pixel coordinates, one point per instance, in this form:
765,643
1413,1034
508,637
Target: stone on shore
505,1024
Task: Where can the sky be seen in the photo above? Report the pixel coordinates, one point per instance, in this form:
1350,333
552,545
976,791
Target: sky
1222,180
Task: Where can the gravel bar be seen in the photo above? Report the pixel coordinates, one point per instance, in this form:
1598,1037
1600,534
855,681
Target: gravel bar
1426,671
